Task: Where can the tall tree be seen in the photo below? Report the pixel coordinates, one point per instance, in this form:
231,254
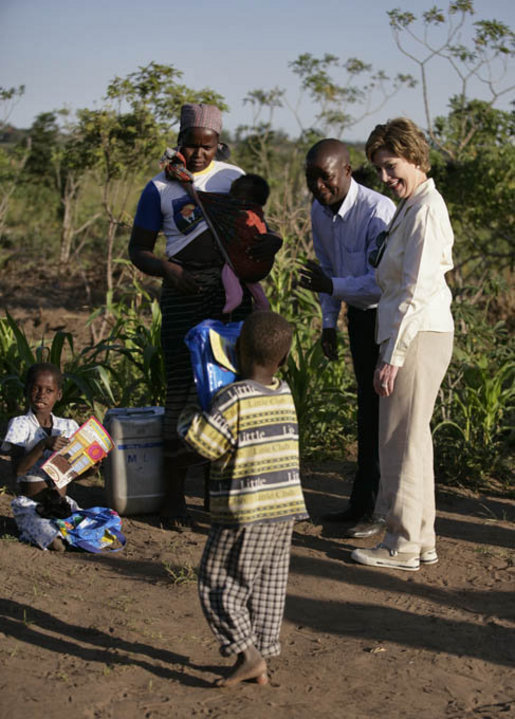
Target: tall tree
483,64
336,86
12,160
479,188
60,160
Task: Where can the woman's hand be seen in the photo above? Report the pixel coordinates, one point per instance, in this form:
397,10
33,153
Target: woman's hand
181,279
141,252
267,247
313,278
384,378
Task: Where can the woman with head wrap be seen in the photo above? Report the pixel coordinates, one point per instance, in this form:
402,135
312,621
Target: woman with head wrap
192,288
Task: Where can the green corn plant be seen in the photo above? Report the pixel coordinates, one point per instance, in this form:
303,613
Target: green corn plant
323,391
471,445
485,397
474,414
324,402
87,384
134,347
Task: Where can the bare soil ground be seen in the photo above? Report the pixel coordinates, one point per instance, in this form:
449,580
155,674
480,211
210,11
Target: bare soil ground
122,636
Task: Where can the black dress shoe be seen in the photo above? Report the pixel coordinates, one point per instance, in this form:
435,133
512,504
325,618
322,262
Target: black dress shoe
348,515
366,528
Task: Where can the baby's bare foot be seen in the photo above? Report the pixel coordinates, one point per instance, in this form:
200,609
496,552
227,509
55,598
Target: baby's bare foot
249,665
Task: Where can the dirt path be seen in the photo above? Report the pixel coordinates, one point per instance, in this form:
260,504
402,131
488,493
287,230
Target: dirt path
122,636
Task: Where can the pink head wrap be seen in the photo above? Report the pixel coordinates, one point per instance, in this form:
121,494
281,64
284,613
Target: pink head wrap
207,116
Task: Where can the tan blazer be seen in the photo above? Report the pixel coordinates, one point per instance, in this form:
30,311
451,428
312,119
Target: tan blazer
415,296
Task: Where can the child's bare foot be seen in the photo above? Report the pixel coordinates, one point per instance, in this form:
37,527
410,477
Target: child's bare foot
249,665
57,545
182,523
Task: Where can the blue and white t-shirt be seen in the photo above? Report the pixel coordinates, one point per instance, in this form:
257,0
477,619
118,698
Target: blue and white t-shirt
165,205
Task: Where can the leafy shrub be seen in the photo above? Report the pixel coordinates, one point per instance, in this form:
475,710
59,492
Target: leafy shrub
134,348
474,417
323,391
86,385
324,400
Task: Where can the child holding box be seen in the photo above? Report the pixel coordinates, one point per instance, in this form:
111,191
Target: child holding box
250,435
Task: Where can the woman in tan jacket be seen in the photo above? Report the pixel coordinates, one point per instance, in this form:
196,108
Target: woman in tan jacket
415,334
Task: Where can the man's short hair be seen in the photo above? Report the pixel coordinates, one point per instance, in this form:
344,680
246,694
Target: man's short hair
266,337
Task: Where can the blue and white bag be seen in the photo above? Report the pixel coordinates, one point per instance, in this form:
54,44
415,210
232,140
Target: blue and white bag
94,530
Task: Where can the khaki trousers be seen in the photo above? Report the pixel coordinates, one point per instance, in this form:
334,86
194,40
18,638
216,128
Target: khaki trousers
407,493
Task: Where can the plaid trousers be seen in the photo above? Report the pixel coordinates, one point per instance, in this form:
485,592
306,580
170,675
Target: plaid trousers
242,585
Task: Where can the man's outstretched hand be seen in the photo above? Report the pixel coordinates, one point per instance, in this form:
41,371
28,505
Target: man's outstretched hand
313,278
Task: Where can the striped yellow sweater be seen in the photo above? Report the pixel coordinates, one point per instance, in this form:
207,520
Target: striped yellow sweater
250,435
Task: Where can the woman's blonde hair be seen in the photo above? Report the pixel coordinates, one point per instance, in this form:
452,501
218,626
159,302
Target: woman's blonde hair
403,139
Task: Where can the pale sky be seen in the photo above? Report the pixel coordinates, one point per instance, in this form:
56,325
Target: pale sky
67,51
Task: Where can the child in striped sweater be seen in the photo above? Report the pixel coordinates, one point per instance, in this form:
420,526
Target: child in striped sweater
250,435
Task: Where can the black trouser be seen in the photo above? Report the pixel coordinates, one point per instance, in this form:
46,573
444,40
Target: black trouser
361,326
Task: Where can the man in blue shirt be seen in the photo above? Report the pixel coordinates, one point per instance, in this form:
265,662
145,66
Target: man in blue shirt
346,218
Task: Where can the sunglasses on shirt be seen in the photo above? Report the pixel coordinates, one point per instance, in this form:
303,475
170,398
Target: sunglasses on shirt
377,253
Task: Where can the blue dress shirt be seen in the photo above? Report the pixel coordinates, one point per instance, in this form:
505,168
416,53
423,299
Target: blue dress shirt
342,242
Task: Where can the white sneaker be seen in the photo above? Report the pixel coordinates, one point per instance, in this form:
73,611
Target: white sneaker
428,556
382,556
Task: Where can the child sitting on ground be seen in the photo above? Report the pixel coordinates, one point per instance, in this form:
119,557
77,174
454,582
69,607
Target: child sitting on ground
250,435
31,438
